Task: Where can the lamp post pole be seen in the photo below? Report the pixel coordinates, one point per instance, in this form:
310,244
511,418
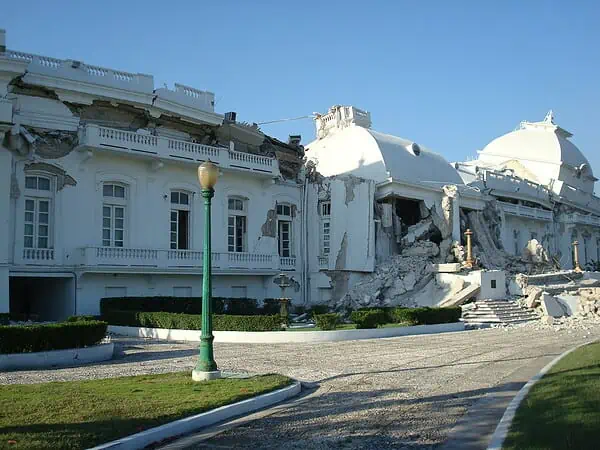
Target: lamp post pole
206,368
470,262
576,256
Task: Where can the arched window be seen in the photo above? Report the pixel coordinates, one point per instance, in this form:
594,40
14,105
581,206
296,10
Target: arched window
37,226
180,220
114,214
284,229
237,225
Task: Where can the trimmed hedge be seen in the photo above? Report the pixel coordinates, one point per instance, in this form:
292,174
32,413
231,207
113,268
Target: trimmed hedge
180,305
221,322
426,315
271,306
55,336
319,309
368,318
81,318
327,321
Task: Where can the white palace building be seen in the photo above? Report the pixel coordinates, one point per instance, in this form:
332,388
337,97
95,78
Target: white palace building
99,193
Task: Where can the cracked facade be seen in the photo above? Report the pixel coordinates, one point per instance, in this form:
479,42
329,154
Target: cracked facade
99,197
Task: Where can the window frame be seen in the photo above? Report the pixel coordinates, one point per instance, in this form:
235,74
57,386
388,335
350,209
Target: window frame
325,221
235,222
284,217
39,196
115,203
177,207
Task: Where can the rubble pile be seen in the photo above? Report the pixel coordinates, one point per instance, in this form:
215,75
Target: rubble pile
403,280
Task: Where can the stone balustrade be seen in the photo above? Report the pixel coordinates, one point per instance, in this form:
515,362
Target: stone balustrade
95,137
526,211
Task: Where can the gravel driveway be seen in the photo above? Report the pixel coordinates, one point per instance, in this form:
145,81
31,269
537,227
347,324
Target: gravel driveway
405,392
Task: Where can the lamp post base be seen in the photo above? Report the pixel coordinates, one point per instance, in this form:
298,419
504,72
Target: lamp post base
200,375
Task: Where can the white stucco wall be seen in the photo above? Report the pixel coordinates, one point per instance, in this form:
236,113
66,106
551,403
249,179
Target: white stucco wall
5,168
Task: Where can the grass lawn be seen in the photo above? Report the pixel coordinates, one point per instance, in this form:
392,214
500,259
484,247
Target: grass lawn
350,326
82,414
562,410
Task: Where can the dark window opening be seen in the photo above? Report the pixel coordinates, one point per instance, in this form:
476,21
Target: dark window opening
183,230
409,211
493,283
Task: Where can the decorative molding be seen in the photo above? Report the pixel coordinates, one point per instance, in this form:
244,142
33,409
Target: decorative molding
14,186
62,178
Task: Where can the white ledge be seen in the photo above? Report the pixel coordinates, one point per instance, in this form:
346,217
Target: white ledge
282,337
193,423
57,358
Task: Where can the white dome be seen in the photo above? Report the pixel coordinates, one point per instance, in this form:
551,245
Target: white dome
379,157
543,149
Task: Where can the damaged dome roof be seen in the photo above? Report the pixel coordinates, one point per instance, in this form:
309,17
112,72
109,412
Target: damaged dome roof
376,156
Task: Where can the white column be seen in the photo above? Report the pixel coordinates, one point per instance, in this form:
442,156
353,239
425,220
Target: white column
5,179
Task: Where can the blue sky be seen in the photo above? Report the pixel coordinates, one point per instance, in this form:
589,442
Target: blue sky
451,75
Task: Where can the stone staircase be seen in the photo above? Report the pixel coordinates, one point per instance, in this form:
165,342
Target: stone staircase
485,313
555,283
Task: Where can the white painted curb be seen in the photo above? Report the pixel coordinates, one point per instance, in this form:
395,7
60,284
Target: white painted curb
193,423
57,358
497,439
282,337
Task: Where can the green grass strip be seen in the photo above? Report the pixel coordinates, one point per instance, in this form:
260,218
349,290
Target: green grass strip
562,410
82,414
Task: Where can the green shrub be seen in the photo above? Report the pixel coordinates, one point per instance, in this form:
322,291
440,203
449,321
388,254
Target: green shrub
221,322
426,315
187,305
81,318
387,310
238,306
55,336
271,306
4,318
369,318
327,321
318,309
181,305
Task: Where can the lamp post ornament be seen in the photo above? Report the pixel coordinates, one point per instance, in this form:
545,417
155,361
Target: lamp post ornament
576,256
470,262
283,282
206,368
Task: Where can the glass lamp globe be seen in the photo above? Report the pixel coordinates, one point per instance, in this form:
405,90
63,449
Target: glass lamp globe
208,173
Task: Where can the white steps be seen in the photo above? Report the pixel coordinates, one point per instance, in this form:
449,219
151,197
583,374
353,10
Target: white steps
489,312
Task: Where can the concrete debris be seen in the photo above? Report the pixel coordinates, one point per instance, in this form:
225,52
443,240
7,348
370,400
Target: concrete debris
551,306
445,267
535,252
534,297
462,296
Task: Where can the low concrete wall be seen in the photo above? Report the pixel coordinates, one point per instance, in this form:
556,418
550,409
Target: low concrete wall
281,337
57,358
194,423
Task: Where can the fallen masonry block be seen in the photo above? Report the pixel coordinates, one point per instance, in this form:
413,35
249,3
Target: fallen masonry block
462,296
533,299
445,268
551,306
569,303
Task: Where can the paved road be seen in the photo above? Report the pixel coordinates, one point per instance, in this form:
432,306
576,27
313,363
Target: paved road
406,392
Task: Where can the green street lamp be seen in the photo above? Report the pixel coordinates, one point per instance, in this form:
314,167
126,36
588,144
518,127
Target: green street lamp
206,368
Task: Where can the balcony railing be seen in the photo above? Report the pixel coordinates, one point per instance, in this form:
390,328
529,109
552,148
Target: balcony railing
97,137
582,219
166,259
287,263
37,256
526,211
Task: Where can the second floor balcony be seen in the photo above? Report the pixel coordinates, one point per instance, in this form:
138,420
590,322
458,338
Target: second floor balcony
526,211
94,137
